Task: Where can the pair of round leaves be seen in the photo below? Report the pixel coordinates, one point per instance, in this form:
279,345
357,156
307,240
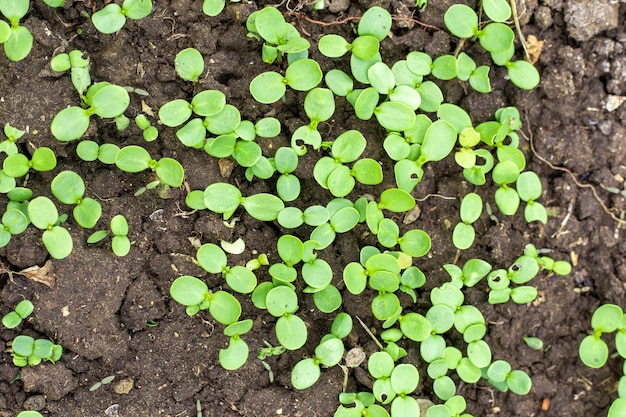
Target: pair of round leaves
594,351
191,291
471,208
134,158
113,17
307,372
18,165
69,188
208,103
44,215
225,198
104,99
213,259
301,75
282,302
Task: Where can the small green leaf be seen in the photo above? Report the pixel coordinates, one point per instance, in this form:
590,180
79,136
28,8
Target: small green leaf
212,258
188,290
333,46
461,21
268,87
189,65
291,332
305,374
376,22
395,116
57,241
224,307
19,44
523,74
263,206
70,124
303,75
110,19
235,355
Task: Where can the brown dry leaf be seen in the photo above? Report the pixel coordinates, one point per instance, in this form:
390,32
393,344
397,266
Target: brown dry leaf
535,46
146,109
42,275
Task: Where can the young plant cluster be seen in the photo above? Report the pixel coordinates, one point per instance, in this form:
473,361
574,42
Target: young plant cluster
403,99
418,127
25,350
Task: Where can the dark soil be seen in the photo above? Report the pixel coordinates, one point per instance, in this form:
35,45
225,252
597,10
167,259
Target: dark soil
101,304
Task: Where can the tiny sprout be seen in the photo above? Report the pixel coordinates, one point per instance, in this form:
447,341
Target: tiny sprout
533,342
120,242
22,310
28,351
103,381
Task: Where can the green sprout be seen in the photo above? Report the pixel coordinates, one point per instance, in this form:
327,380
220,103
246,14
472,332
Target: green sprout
333,174
69,188
328,353
225,198
195,296
22,310
149,132
301,75
113,16
213,260
17,165
78,66
28,351
279,37
44,215
103,99
608,318
13,134
120,242
471,209
88,150
134,158
17,40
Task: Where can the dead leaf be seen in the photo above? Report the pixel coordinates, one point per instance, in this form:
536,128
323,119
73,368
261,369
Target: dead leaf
535,46
42,275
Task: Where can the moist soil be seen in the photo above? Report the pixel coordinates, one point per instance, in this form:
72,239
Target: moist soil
114,317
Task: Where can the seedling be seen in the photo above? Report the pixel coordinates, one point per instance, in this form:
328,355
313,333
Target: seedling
22,310
113,16
608,318
149,132
28,351
14,222
319,106
44,215
279,37
78,66
195,296
17,40
496,38
471,209
328,352
88,150
213,259
500,375
236,354
69,188
120,242
301,75
104,381
103,99
333,174
134,158
287,185
17,165
8,146
225,198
